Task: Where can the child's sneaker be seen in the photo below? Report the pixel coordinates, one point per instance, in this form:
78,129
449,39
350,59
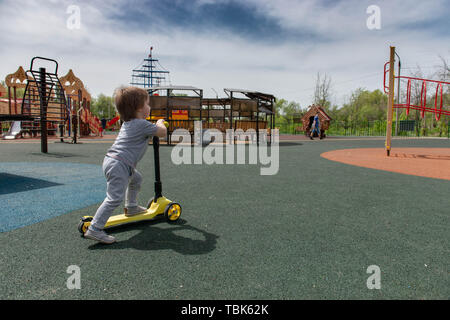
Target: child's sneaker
100,236
134,211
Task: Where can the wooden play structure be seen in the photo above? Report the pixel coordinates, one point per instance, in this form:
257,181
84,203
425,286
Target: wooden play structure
66,103
11,103
81,121
242,109
11,106
308,118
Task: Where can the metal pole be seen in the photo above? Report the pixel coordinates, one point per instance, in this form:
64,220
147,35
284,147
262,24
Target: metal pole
158,185
398,95
43,110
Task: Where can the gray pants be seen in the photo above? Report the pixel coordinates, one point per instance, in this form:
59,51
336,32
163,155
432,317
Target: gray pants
122,181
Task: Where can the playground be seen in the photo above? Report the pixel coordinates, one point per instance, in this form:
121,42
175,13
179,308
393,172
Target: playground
305,233
335,207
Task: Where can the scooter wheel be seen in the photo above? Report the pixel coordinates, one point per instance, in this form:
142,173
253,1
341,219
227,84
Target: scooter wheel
172,212
83,225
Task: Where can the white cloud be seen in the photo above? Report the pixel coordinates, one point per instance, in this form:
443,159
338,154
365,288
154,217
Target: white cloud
104,51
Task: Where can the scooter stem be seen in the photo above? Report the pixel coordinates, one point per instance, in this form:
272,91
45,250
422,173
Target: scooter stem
158,185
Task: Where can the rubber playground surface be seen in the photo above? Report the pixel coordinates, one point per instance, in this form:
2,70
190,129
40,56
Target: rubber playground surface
308,232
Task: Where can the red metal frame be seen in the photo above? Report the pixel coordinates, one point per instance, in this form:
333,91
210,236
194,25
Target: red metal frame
423,95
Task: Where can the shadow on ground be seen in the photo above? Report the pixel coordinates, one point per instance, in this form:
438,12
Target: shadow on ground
151,237
289,144
281,144
57,155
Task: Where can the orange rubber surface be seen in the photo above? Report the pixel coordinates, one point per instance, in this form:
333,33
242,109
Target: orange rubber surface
423,162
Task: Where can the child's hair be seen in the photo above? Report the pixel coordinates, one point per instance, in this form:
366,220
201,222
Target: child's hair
128,100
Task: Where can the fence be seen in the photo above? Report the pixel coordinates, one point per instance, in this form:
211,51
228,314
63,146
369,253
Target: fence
376,128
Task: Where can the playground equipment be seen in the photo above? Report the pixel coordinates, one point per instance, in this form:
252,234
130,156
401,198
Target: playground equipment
243,109
182,105
308,119
81,122
147,74
13,131
75,120
158,207
44,98
438,110
2,90
111,122
10,108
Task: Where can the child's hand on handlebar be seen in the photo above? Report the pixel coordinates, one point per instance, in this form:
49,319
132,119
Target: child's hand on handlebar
162,122
162,128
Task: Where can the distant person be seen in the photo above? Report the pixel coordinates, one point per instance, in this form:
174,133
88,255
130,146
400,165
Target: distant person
315,127
123,181
103,121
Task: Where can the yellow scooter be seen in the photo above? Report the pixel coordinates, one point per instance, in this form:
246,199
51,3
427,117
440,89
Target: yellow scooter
157,207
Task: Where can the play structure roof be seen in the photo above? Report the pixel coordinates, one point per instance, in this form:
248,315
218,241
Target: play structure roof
313,109
172,88
252,94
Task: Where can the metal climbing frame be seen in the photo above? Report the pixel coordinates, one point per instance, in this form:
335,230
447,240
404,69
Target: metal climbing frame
44,100
438,98
438,108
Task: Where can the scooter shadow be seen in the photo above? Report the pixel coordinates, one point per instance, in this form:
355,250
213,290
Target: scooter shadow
152,237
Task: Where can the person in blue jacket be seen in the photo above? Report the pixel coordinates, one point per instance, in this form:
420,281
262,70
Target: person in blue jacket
315,127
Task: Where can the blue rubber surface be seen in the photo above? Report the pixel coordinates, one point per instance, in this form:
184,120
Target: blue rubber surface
34,192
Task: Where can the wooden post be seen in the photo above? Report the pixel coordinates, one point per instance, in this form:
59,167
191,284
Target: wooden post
390,102
15,100
9,99
231,111
257,122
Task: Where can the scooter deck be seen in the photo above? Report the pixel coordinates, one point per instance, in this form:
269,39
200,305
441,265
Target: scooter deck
155,211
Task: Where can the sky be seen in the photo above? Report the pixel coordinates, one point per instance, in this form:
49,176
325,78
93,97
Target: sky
271,46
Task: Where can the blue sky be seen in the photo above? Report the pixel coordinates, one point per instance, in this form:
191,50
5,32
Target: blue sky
271,46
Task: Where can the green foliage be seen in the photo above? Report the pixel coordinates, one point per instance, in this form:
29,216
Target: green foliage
284,113
365,115
103,107
364,105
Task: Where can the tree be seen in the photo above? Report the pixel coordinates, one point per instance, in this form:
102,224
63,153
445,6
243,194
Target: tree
284,113
444,70
322,91
103,107
286,110
363,106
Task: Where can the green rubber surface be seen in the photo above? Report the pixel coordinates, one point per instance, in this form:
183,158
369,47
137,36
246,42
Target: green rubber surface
309,232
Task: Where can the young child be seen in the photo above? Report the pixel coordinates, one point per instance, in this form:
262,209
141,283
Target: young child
123,181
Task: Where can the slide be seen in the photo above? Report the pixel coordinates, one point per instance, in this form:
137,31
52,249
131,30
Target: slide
14,131
112,121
